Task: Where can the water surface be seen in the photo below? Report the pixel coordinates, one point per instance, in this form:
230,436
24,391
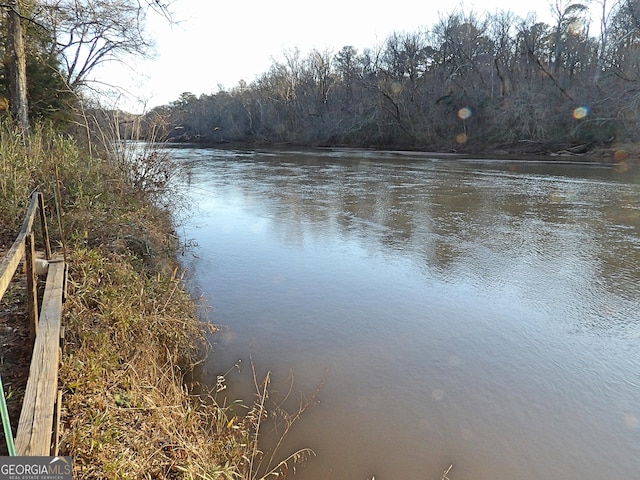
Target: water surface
475,313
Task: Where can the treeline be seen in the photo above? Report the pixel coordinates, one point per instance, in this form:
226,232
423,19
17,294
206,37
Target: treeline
468,83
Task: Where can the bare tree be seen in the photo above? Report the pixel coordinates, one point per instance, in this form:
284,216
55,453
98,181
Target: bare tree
603,46
89,33
321,67
568,15
18,104
502,28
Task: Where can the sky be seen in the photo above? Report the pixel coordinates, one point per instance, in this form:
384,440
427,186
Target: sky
220,42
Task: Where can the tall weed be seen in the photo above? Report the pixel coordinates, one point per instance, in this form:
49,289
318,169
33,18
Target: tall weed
140,160
19,165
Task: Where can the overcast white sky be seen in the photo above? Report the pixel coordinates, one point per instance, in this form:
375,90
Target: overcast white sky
220,42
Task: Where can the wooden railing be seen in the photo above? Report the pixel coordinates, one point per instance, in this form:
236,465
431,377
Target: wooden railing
24,245
41,399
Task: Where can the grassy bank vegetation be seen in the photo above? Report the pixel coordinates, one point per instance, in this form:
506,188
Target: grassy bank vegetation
132,334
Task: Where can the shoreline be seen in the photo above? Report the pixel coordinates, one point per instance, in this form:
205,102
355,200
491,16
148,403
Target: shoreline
601,156
132,332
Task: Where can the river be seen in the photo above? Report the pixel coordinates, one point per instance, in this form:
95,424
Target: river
481,314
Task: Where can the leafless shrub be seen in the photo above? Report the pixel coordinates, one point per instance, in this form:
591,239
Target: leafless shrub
267,417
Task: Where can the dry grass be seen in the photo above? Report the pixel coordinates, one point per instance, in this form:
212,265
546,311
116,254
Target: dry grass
126,412
269,412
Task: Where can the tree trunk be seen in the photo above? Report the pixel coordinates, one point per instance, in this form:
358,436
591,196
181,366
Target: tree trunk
18,105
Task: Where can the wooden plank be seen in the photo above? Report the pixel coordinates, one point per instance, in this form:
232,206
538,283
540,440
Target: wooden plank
43,226
56,425
32,285
9,263
36,418
27,223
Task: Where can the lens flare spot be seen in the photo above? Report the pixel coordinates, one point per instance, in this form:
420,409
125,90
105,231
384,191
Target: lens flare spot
464,113
556,197
461,138
620,156
580,113
577,27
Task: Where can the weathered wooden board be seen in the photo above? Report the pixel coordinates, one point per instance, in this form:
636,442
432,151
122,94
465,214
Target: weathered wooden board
32,285
9,262
36,419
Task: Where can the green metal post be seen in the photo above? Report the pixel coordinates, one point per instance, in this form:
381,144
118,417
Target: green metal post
6,425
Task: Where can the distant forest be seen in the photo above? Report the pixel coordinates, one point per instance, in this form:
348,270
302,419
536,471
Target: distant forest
468,84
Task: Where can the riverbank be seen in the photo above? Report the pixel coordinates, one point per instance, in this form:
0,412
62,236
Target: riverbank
132,334
623,154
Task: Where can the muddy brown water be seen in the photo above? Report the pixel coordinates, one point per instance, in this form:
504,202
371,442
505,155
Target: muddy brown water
476,313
